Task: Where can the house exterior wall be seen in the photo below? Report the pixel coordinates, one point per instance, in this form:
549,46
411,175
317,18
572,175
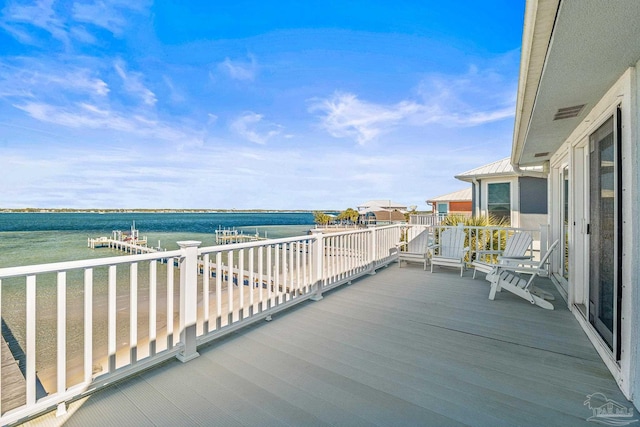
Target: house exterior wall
574,156
460,207
475,202
533,195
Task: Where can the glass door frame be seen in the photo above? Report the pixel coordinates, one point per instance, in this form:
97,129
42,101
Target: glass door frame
612,337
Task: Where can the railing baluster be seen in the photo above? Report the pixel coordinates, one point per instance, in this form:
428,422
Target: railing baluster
88,325
230,307
290,289
298,268
170,293
260,276
252,281
111,328
278,248
241,283
305,261
62,332
206,276
153,298
219,277
330,259
269,277
31,340
133,313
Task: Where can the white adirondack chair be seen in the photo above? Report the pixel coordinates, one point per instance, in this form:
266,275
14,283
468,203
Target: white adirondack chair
451,249
515,249
417,249
507,277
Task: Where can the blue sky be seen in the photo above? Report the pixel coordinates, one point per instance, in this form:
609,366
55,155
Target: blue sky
251,104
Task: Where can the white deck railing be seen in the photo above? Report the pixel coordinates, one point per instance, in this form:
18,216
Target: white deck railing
433,218
84,324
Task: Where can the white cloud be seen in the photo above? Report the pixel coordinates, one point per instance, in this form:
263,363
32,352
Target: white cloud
252,127
84,115
101,14
240,70
469,100
41,15
344,115
48,15
27,78
133,84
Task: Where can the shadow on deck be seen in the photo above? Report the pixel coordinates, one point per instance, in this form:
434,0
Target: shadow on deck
402,347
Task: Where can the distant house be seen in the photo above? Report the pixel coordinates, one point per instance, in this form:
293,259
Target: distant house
387,205
381,212
498,190
458,202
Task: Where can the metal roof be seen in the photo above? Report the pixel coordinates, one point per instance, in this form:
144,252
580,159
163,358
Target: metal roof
460,195
499,168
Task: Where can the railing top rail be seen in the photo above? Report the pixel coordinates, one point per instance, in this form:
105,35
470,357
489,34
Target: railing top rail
492,227
343,233
255,244
55,267
384,227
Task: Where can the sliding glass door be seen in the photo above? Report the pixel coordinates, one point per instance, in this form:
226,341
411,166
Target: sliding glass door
604,231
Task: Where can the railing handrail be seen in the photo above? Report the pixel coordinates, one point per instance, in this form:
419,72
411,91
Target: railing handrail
254,244
56,267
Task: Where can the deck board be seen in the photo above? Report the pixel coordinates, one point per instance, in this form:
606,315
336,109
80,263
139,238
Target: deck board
13,384
402,347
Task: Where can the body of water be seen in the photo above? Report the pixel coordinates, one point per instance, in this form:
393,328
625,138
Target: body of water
40,238
37,238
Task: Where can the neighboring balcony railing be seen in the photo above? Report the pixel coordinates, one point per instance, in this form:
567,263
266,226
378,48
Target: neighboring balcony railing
482,239
78,326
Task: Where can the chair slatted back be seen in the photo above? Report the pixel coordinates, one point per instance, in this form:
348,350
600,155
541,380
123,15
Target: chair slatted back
418,245
452,243
517,245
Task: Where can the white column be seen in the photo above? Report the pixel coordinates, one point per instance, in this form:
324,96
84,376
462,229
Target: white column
188,299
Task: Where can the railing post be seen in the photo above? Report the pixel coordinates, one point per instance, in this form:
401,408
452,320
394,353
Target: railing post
373,249
188,299
319,260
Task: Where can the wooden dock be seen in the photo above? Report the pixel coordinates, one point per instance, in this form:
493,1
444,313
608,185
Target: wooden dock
14,386
126,241
130,247
226,236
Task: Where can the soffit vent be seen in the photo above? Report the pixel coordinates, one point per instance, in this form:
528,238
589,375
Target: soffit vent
541,154
568,112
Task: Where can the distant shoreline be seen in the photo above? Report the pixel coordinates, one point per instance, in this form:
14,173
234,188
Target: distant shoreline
102,211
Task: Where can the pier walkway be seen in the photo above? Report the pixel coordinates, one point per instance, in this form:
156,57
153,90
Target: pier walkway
401,347
13,383
135,247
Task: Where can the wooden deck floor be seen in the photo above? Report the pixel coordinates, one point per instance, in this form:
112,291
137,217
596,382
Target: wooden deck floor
402,347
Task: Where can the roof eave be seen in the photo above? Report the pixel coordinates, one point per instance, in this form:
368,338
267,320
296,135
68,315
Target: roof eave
539,21
471,178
